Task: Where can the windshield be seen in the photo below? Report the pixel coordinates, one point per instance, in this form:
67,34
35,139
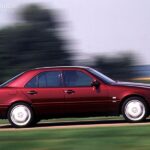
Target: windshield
100,75
10,80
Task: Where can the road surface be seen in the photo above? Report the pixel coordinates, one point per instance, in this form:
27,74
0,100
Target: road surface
74,124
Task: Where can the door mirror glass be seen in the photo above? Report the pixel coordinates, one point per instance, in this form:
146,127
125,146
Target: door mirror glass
95,83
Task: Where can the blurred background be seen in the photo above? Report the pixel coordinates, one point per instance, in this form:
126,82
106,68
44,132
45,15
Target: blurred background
111,36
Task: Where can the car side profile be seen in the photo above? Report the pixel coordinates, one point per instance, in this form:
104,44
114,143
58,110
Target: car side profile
51,92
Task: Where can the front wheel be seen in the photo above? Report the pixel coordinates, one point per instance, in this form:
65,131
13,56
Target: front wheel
134,109
20,115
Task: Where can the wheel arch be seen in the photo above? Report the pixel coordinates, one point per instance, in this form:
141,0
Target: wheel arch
132,95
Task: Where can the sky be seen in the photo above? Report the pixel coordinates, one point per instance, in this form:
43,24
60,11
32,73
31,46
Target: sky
98,27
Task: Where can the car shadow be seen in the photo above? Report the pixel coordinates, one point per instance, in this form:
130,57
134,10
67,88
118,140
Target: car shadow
73,123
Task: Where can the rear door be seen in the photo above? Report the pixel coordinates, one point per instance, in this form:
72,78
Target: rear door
80,97
46,92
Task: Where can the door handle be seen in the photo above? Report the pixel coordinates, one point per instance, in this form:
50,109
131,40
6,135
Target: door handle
32,92
69,91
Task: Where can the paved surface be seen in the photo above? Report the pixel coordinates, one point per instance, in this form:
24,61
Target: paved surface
75,124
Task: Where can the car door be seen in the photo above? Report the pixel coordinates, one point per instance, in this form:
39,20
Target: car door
80,96
46,93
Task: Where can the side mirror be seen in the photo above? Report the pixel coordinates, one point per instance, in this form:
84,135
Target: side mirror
95,83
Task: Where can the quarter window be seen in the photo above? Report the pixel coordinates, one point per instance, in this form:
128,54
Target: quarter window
76,78
32,83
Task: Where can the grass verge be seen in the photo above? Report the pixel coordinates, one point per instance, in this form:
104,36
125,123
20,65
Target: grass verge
104,138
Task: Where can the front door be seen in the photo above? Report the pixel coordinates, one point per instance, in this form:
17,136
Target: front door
80,97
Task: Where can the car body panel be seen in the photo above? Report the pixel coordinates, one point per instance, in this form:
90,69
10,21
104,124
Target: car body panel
48,101
87,99
55,102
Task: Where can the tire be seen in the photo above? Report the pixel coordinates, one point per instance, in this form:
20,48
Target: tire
134,109
20,115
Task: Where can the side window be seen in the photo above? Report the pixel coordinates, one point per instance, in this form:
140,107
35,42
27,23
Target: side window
53,79
76,78
32,83
45,80
42,80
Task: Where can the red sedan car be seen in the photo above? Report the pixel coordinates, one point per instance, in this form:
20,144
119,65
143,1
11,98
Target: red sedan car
70,91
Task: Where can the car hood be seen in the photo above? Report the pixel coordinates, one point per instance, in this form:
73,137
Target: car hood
132,84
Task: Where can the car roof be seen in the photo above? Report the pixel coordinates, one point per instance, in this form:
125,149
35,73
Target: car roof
57,67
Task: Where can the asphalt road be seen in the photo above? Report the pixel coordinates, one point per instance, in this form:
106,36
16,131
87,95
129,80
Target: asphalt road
75,124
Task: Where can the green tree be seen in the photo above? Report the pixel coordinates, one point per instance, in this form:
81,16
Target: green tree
36,42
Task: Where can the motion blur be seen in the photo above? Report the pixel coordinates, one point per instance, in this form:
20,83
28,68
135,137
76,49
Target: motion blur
37,40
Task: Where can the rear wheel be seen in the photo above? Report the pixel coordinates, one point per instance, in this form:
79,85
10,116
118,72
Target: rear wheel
134,109
20,115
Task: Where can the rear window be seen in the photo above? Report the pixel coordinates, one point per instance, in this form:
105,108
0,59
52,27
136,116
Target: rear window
10,80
